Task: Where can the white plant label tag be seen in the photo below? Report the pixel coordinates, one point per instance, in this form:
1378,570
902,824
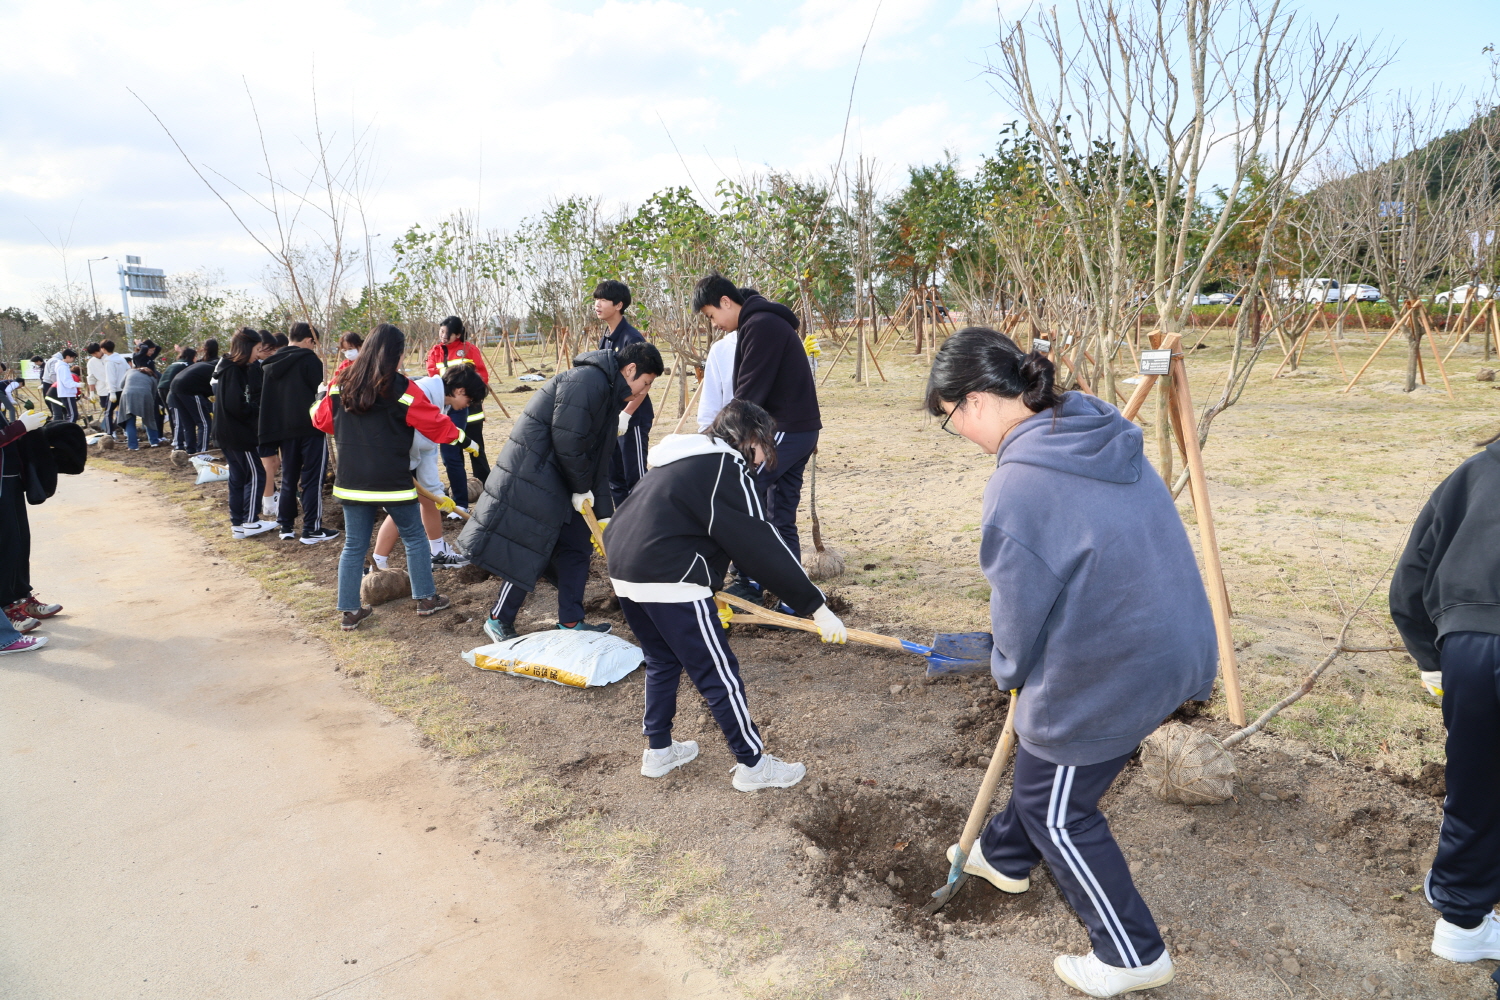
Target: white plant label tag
1041,346
1156,362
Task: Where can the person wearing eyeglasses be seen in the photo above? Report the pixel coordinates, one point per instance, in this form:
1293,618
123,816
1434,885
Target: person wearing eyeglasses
1100,620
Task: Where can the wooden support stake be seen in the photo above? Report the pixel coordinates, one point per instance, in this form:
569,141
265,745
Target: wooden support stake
1395,328
1218,591
1431,342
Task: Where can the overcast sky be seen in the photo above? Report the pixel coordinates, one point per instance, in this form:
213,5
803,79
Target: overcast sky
495,106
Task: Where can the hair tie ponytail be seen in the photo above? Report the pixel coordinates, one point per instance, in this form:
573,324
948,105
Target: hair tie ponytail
1040,376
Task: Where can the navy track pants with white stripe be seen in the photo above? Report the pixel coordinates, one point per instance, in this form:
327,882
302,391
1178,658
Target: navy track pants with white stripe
688,636
1053,814
568,571
247,482
628,464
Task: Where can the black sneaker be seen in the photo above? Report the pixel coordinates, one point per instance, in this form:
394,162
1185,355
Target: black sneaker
745,590
449,560
320,535
585,627
288,532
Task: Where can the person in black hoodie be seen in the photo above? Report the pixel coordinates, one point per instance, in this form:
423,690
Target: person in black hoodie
189,400
771,370
289,389
1445,600
669,546
237,419
611,299
527,523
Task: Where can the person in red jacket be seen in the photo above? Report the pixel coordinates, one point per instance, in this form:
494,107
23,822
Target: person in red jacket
372,411
453,348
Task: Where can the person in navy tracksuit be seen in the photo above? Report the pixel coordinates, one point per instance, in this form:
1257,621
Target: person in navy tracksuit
628,465
1103,636
668,547
1445,600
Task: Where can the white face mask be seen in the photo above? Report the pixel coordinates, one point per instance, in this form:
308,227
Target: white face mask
351,354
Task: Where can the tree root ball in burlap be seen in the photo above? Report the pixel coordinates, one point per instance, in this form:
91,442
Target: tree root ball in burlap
1187,766
384,585
107,443
475,488
180,458
1485,375
823,565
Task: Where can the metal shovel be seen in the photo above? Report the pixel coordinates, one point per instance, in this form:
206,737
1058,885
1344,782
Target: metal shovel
950,652
981,808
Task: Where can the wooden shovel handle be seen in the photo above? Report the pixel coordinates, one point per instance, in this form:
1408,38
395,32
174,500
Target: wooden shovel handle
437,499
789,621
981,808
593,523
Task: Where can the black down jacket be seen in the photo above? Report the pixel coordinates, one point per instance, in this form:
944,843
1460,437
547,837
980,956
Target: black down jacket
560,445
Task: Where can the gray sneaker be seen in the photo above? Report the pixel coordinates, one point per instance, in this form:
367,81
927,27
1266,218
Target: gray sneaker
659,763
769,773
449,560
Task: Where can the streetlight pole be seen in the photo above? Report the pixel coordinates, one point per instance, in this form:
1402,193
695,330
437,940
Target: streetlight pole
93,294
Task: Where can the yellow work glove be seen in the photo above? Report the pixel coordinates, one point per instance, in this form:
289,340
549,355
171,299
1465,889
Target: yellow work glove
810,345
603,523
445,505
1432,680
830,628
725,613
472,448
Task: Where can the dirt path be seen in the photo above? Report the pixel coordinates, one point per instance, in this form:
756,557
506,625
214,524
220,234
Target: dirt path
196,807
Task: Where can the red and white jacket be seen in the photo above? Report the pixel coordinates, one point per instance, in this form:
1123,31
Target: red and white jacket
459,352
374,448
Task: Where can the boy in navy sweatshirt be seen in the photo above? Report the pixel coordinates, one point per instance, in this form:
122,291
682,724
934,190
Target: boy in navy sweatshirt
668,547
771,370
628,464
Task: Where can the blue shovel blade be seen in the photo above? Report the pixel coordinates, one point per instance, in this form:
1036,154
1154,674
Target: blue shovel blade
956,653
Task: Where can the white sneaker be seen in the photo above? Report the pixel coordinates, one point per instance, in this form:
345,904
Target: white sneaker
253,528
657,763
977,864
1089,975
1458,945
769,773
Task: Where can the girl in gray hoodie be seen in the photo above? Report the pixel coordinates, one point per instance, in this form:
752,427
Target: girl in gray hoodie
1100,619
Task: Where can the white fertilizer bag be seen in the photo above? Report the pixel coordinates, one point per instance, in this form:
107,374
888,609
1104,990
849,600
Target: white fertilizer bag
209,471
573,659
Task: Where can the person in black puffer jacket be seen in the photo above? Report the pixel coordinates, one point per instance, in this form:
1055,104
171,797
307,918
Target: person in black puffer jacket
289,391
237,421
528,523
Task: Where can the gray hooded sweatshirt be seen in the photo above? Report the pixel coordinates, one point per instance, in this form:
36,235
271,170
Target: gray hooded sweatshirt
1097,606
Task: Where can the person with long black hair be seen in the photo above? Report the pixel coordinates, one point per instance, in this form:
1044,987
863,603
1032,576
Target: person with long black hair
237,420
1100,620
669,546
372,411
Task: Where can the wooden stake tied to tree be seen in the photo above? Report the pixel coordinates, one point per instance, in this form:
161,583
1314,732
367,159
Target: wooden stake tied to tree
1180,403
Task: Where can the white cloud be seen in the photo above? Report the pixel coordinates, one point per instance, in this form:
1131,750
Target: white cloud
553,98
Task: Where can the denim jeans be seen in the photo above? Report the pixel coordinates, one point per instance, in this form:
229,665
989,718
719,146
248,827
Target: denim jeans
359,525
132,441
8,633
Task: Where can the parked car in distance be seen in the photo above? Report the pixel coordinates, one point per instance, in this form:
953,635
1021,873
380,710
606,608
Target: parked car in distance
1224,298
1361,293
1467,292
